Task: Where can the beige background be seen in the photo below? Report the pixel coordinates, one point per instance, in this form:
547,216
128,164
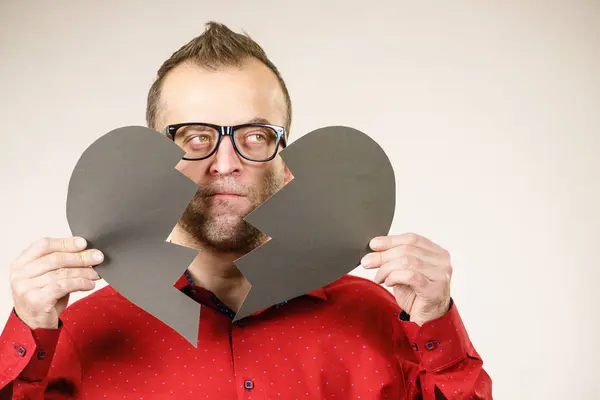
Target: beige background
489,112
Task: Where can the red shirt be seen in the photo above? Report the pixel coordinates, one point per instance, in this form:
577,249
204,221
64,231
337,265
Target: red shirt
345,341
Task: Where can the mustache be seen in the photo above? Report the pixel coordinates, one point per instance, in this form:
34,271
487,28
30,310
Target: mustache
222,186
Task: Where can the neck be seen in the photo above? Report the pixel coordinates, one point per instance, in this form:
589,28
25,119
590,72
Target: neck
215,271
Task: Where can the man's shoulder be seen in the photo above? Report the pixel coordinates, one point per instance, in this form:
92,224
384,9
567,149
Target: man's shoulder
100,298
357,284
353,291
106,319
103,303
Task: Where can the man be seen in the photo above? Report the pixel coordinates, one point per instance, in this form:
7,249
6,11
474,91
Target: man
352,339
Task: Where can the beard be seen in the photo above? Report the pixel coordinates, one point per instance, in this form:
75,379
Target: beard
217,224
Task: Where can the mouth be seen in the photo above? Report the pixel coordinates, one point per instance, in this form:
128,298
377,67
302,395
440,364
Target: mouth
224,195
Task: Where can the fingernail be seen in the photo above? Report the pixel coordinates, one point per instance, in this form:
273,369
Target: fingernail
365,261
80,243
376,243
97,256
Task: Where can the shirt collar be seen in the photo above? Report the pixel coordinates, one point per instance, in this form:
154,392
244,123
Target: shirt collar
186,281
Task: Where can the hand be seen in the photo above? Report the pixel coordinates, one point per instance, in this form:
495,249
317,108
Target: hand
45,274
418,270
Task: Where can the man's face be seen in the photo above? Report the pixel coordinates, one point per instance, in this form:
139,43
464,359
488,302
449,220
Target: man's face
229,186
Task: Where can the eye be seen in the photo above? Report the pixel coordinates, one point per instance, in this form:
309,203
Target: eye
202,138
199,139
256,137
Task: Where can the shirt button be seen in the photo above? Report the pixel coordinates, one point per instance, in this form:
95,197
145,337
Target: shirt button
20,350
249,385
415,347
430,345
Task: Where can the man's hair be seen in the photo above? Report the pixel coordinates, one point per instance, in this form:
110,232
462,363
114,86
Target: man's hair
216,48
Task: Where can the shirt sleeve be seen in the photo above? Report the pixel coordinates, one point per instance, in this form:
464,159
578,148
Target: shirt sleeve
26,357
439,358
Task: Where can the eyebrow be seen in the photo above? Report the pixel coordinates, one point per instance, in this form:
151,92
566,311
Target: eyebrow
259,120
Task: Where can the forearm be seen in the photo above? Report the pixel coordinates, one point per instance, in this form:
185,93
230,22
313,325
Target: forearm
29,359
441,361
466,379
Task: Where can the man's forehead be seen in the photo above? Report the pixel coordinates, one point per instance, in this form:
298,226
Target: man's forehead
193,83
222,97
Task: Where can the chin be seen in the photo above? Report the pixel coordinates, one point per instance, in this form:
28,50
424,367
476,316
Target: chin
226,222
229,233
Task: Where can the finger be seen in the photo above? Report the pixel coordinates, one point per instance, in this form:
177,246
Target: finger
376,259
381,243
431,272
407,277
47,263
64,273
61,288
48,245
408,262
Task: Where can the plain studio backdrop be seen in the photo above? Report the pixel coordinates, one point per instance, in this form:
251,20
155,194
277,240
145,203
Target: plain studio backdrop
489,112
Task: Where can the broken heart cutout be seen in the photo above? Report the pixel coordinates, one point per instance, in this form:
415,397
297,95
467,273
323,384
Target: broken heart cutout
343,194
125,197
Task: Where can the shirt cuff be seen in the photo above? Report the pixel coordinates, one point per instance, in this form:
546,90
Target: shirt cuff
439,343
27,353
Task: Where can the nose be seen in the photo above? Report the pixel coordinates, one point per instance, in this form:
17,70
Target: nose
225,161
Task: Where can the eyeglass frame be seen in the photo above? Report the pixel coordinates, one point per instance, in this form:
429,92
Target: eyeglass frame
229,130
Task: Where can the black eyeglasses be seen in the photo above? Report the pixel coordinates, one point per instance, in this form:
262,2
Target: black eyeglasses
254,141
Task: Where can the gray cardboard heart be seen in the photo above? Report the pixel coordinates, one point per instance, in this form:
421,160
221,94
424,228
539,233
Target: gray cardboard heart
125,197
343,194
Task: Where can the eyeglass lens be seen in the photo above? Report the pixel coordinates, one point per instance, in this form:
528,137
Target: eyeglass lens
254,142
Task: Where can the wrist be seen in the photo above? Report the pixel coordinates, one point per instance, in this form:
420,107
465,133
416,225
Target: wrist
438,312
37,323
